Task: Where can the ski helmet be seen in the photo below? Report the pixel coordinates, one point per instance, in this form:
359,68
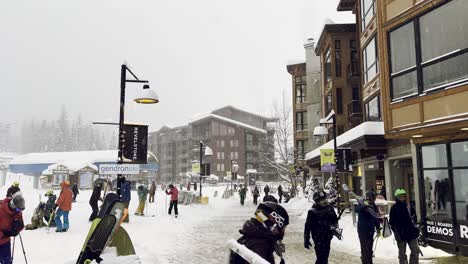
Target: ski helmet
272,214
17,202
319,195
370,195
400,191
49,192
16,183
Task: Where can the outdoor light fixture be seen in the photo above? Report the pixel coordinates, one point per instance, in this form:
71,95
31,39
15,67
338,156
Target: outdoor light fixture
417,136
320,131
464,129
147,96
204,149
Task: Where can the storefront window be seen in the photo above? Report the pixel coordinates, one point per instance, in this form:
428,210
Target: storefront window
437,191
460,183
434,156
459,154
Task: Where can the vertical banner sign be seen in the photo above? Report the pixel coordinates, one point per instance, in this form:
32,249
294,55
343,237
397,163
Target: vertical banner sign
327,160
196,167
343,159
135,148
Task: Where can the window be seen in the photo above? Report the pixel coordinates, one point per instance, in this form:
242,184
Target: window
231,143
327,65
215,129
300,149
328,103
355,95
231,131
373,109
367,12
353,44
236,155
301,121
421,57
222,143
222,130
337,44
338,63
339,101
369,56
301,90
339,130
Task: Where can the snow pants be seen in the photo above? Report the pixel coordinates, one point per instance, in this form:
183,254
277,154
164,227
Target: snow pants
255,199
413,245
173,204
141,207
322,250
151,198
58,221
242,199
5,253
74,196
367,241
94,214
280,198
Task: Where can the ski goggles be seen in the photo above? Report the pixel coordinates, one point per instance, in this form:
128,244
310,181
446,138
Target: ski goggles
18,210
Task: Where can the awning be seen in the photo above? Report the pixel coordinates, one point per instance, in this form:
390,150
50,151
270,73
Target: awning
364,129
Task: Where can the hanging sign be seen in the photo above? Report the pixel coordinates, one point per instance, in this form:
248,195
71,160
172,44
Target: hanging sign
327,160
344,160
135,147
196,167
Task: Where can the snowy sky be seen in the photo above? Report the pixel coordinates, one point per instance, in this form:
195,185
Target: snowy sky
198,55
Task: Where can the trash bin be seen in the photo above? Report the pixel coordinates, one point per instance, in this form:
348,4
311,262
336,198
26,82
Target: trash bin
204,200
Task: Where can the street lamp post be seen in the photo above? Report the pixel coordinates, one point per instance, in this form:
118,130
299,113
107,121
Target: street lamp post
208,152
147,97
234,170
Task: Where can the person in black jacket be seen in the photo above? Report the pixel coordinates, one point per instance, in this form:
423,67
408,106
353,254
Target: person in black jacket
266,189
75,191
368,223
322,223
264,233
404,229
93,201
280,193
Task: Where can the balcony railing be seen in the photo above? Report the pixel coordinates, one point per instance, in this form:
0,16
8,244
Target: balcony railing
354,108
353,70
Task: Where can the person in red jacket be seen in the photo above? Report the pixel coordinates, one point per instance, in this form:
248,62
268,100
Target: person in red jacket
64,203
11,223
174,193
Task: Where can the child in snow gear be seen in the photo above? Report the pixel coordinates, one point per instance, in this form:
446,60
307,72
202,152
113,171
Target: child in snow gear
368,224
255,194
75,191
37,220
126,196
64,204
93,201
142,192
11,223
49,207
280,193
174,193
264,233
152,192
14,188
242,194
404,229
322,223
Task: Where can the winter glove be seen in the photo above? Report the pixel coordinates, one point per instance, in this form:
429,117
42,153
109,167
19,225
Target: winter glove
280,248
10,233
307,244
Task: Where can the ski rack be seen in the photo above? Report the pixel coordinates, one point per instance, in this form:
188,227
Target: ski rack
241,250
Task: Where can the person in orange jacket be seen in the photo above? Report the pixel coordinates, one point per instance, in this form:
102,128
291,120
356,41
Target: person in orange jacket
11,223
64,203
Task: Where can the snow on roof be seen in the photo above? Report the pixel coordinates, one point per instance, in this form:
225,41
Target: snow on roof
231,121
251,171
73,166
366,128
61,157
7,155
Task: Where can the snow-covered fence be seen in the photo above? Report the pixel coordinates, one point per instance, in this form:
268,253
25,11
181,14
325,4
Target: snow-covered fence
227,193
241,250
187,197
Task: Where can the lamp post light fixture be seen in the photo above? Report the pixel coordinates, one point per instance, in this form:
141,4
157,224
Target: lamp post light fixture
234,171
207,151
147,96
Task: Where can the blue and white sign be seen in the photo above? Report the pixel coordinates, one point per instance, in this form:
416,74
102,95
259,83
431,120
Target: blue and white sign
119,169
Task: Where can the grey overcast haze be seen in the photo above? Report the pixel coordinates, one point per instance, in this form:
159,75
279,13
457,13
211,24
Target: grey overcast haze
198,55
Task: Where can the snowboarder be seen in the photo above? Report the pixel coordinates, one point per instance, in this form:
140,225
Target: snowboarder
126,196
404,229
64,204
49,207
264,233
280,193
75,191
368,223
142,192
93,201
37,219
255,194
152,192
11,223
174,193
266,189
14,188
242,194
322,223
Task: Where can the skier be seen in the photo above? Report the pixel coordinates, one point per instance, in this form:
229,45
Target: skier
280,193
152,192
242,194
322,223
14,188
188,186
142,192
11,223
126,196
93,201
264,233
368,223
49,207
174,193
75,191
266,189
255,194
37,219
404,229
64,204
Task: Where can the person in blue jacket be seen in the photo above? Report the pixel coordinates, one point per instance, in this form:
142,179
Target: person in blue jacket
126,196
368,224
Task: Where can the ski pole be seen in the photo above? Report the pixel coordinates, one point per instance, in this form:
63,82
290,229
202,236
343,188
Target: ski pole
13,250
22,246
375,245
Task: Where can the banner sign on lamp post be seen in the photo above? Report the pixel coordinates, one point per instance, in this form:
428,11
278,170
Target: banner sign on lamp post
135,148
327,160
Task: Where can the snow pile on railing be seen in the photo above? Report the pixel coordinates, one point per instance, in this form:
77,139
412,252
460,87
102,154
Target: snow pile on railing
244,252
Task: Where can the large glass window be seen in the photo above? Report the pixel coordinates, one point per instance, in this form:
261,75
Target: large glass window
373,109
327,65
328,103
339,101
301,121
300,149
435,156
338,63
300,89
367,12
370,60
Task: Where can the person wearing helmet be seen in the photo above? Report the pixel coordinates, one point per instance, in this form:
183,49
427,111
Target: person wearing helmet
321,223
14,188
64,203
368,224
11,223
264,233
404,228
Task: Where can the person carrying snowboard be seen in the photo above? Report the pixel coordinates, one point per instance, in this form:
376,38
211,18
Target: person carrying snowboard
75,191
280,193
152,192
64,204
255,194
49,207
93,201
368,223
14,188
174,193
242,194
142,192
264,233
404,229
126,196
11,223
322,223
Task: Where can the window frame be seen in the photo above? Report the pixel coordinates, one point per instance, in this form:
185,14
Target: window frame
366,107
338,59
366,67
328,65
301,97
301,123
365,13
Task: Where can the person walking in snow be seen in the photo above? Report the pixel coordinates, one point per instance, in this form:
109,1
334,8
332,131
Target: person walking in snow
255,194
64,204
142,192
126,196
242,194
174,193
75,191
368,224
49,207
266,189
152,192
14,188
264,233
11,224
322,223
93,201
280,193
404,229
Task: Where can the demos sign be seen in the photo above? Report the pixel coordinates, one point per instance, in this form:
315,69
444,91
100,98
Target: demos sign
445,231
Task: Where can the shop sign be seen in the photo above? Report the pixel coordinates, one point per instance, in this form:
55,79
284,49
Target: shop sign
327,160
445,231
113,169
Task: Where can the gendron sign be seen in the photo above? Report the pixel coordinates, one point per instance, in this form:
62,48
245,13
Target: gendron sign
135,148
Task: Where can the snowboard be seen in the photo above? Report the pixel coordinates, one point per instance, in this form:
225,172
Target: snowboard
118,211
108,204
97,241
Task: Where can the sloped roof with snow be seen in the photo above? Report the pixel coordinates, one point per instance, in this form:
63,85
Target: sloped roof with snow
231,121
70,157
73,166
